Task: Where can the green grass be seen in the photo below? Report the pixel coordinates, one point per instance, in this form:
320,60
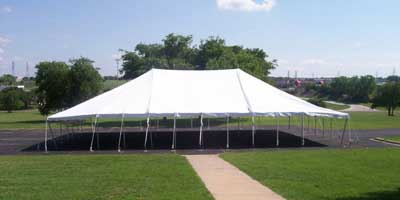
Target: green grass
325,174
393,138
336,106
26,119
99,177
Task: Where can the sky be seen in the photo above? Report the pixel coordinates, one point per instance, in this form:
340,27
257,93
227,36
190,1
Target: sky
316,38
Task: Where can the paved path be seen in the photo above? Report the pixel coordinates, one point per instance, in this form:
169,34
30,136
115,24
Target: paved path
359,108
226,182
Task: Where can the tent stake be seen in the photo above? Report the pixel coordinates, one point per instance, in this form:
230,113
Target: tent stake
277,131
93,132
201,130
253,129
302,130
120,132
147,131
227,131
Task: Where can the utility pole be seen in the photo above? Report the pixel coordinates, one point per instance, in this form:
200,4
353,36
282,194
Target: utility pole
27,70
117,60
13,68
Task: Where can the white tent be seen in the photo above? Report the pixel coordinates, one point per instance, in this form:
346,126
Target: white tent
188,93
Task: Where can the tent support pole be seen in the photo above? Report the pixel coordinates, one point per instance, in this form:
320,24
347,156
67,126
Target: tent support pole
302,129
120,132
289,123
344,131
277,131
191,122
93,132
174,134
147,132
45,137
253,131
227,131
201,130
315,125
208,123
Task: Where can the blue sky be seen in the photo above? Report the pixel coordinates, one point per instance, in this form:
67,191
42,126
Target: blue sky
324,38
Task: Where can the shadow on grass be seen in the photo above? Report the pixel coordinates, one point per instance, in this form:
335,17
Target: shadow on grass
381,195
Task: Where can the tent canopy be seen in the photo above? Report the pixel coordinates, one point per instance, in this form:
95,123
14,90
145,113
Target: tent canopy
187,93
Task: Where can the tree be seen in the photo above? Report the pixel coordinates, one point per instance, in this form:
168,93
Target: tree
8,79
387,96
177,49
10,99
177,52
212,48
52,79
85,81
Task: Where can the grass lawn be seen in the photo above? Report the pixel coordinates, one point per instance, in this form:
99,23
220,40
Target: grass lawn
393,138
325,174
336,106
98,177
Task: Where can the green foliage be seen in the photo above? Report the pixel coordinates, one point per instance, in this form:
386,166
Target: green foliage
388,96
176,52
99,177
85,81
10,99
8,79
61,86
52,79
355,89
325,174
317,102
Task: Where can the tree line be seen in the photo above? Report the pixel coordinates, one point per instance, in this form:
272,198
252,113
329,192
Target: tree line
60,85
178,52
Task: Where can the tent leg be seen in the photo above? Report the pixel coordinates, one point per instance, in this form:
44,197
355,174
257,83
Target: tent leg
208,123
289,123
93,132
147,132
191,123
344,131
45,137
120,132
277,131
302,130
253,129
201,131
315,125
227,132
174,134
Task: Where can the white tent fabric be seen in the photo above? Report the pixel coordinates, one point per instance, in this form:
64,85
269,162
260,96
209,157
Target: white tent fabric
186,93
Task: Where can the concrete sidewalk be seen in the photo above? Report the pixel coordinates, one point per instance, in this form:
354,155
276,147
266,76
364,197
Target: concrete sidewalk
226,182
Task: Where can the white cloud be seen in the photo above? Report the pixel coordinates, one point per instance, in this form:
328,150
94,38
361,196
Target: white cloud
1,58
314,61
5,9
1,50
4,41
246,5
